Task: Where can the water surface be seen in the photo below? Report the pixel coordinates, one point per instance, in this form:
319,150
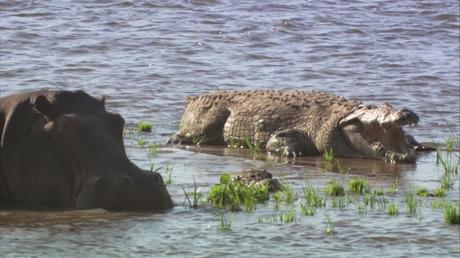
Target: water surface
146,57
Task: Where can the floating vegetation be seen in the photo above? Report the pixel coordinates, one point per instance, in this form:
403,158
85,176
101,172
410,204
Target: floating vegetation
196,195
235,194
224,224
393,209
144,126
334,188
358,185
452,213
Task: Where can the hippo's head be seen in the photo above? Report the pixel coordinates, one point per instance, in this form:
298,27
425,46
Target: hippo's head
91,139
375,131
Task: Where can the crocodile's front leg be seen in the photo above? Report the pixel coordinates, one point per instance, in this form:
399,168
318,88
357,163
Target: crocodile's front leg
291,142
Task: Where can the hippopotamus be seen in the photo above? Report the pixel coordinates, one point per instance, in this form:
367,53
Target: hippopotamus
64,150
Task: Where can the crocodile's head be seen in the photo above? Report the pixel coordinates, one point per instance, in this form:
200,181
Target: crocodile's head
376,131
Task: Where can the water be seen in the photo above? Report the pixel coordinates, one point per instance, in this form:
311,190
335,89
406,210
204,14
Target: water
146,57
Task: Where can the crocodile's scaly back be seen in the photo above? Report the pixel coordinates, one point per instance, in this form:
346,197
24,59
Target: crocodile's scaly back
218,117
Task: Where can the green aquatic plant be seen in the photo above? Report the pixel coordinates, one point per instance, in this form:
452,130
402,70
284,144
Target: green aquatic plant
169,169
358,185
370,199
196,195
235,194
422,191
289,216
252,146
452,213
154,149
338,202
328,155
307,209
393,209
439,192
362,209
334,188
411,202
224,224
288,194
277,198
447,181
394,186
330,225
142,143
144,126
312,197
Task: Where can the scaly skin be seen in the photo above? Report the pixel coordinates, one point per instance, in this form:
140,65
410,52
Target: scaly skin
298,123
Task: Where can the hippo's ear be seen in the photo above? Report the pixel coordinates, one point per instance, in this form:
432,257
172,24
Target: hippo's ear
43,106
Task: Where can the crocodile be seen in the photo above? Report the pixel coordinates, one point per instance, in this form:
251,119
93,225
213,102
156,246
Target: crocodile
296,122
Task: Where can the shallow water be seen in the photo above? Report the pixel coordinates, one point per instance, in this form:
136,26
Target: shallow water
147,57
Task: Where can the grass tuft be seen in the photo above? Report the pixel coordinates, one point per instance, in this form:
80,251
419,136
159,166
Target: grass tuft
235,194
393,209
452,213
334,188
144,126
358,185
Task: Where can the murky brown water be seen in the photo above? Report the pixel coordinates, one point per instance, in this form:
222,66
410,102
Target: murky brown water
147,57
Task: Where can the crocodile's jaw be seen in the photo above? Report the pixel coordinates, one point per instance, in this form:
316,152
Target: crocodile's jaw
376,132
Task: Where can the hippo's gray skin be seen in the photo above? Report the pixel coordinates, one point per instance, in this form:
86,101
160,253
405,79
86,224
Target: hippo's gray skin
299,123
63,150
